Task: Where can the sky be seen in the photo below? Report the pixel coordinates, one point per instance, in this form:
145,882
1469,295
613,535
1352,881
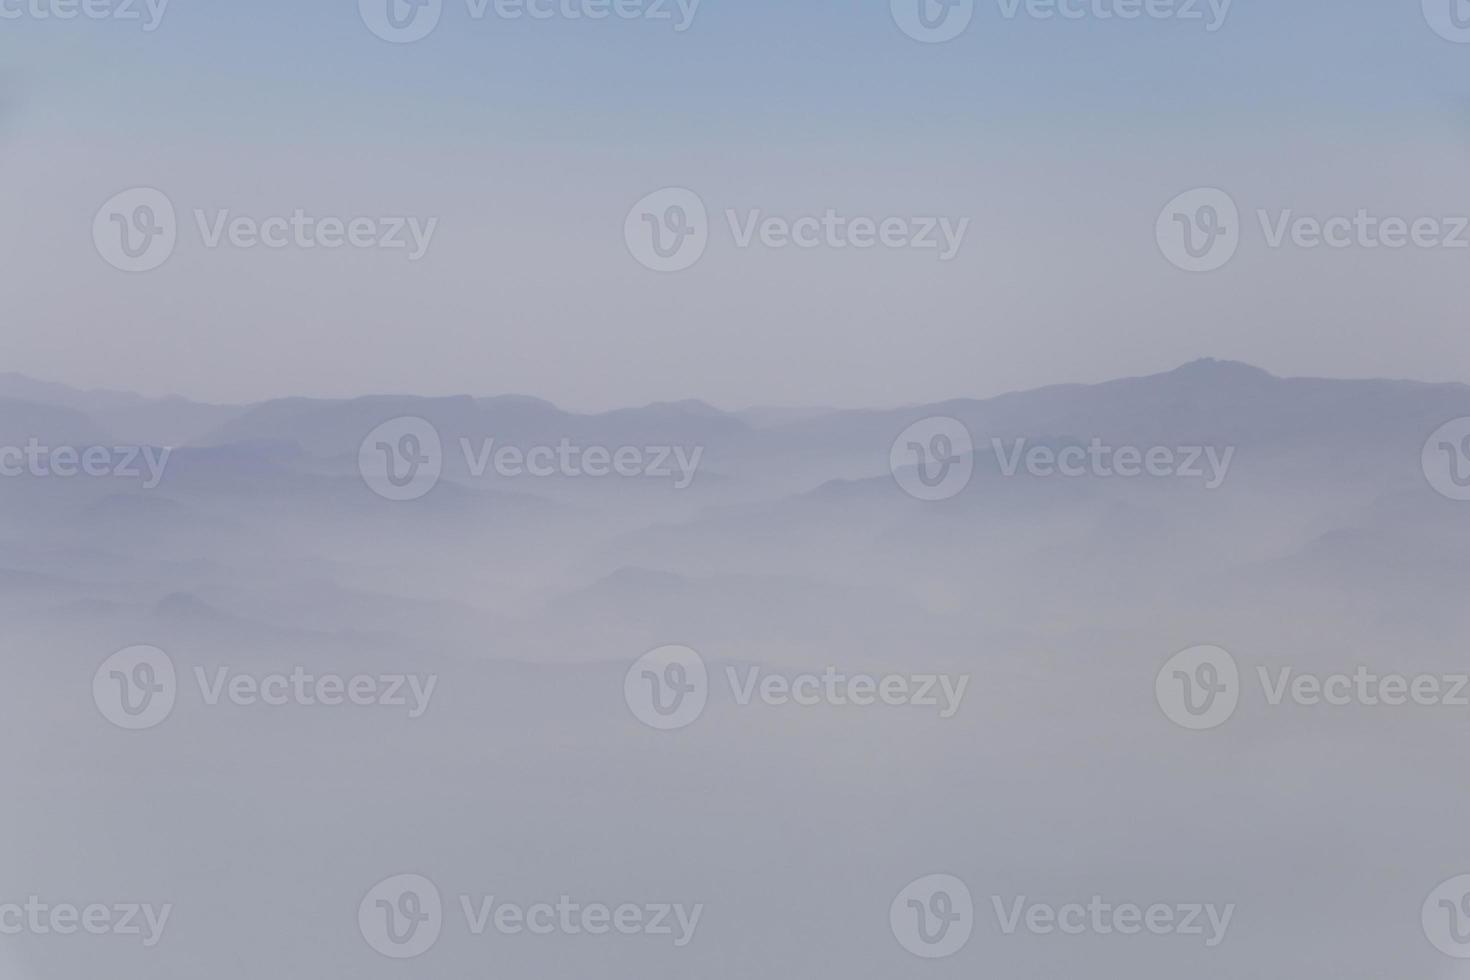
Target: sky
528,142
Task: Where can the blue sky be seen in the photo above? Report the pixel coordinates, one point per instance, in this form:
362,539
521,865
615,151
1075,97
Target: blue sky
1060,140
755,68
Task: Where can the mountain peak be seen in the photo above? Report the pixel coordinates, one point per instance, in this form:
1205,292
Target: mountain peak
691,406
1209,367
185,605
